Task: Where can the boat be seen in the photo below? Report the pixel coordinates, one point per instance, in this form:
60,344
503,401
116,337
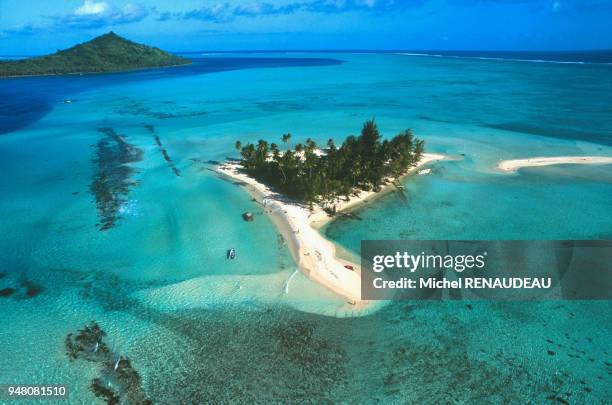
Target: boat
348,266
424,171
231,253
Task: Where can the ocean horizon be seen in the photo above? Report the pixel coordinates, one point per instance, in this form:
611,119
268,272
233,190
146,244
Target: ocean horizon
603,56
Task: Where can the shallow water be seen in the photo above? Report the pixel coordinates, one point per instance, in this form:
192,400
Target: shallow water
197,326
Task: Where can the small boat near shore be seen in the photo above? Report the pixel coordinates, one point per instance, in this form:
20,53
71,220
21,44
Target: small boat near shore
231,254
424,171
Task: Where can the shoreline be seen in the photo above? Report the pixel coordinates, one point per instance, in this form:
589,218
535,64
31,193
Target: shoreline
314,254
92,73
513,165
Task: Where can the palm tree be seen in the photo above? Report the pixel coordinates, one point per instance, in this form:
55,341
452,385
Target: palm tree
248,153
238,145
278,159
419,147
262,151
310,144
360,162
310,158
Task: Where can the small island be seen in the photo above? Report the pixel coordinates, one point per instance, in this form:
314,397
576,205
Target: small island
103,54
511,166
304,187
313,175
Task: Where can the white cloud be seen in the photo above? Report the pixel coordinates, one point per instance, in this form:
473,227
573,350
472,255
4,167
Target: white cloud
367,3
91,7
95,14
227,11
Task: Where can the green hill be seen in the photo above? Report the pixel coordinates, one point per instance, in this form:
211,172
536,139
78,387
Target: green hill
106,53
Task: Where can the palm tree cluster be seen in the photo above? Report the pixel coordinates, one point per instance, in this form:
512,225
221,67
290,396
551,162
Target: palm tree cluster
312,175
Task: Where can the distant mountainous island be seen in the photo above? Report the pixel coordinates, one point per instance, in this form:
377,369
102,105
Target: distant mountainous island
106,53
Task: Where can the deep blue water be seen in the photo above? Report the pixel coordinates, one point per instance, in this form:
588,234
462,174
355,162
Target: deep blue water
26,100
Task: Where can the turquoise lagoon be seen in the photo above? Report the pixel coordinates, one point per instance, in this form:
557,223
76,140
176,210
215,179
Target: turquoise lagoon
198,327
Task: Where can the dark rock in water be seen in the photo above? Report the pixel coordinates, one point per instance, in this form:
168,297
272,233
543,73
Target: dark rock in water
350,215
2,275
85,342
248,216
32,289
112,180
214,162
7,292
127,380
551,353
75,193
558,399
469,306
126,372
163,150
126,385
102,391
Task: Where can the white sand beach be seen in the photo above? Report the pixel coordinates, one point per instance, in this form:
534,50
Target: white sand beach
315,255
515,164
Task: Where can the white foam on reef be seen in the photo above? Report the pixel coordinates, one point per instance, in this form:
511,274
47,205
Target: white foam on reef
433,55
129,208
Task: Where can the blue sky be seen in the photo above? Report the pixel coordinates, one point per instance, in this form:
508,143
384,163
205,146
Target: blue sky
42,26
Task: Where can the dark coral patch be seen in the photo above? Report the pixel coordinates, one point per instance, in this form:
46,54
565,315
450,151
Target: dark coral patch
31,289
112,180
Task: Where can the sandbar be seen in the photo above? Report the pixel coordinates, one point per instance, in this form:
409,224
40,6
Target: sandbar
516,164
315,255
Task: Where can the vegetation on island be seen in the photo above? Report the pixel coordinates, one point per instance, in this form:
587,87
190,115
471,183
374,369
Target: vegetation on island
312,175
106,53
